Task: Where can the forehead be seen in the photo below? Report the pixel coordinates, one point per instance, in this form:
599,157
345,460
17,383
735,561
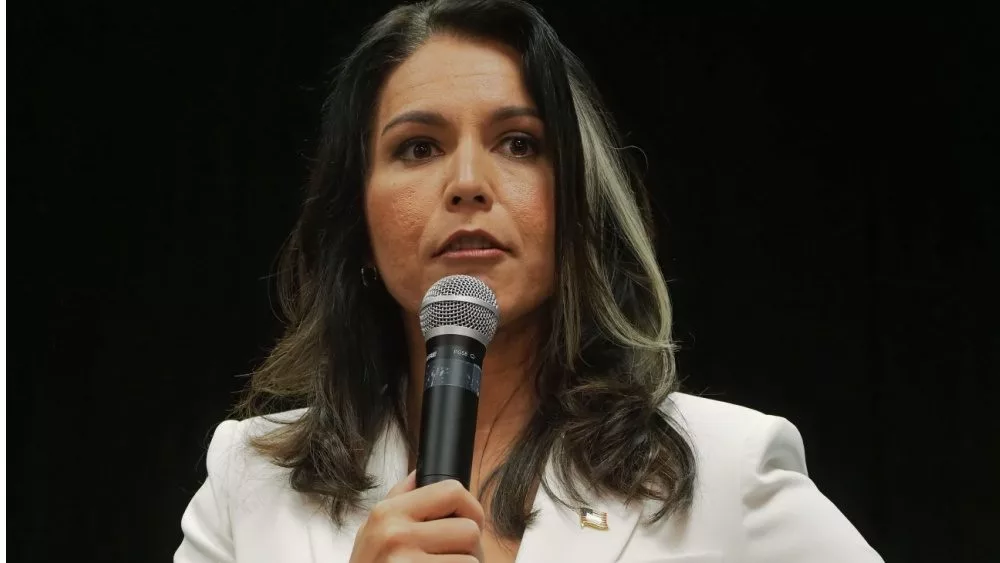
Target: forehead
452,74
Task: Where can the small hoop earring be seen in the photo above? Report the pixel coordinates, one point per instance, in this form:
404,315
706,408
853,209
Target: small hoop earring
369,275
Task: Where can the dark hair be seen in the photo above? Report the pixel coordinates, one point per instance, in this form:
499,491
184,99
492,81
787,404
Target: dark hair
608,365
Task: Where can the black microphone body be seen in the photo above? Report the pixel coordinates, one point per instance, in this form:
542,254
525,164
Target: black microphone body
452,377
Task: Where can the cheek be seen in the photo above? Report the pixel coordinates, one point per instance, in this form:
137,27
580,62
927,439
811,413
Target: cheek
396,219
532,206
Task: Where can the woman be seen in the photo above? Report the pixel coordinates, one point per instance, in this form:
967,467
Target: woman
463,137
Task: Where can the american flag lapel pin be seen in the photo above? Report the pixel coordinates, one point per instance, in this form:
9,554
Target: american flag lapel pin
591,518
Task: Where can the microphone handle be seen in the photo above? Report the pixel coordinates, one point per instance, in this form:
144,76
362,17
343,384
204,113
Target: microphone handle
448,424
449,408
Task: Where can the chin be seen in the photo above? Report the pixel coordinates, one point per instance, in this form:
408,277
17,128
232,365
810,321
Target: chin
518,307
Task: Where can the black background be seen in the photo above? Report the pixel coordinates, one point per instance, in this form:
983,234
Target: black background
826,202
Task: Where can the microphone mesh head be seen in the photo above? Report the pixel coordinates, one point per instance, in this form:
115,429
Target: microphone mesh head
460,301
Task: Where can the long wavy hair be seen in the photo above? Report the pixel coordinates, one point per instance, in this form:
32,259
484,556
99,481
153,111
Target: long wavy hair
608,365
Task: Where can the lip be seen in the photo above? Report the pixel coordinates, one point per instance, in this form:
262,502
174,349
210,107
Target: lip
497,250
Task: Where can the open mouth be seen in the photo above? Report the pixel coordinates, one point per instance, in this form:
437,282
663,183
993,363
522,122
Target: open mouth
471,244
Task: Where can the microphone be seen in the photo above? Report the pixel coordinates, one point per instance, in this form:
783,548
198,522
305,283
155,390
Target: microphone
458,316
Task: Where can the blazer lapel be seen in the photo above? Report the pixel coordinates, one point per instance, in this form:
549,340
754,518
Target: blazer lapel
557,533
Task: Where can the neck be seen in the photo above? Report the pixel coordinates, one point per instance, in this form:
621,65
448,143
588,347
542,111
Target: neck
506,393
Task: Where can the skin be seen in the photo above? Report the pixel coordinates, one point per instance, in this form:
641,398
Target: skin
478,162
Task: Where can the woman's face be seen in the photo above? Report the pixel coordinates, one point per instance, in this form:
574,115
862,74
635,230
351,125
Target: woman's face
459,181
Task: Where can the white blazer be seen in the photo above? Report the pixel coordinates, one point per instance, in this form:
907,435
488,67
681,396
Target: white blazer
753,503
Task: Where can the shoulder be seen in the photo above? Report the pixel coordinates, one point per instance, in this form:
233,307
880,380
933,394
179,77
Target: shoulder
231,436
702,411
752,491
733,446
721,431
240,482
232,458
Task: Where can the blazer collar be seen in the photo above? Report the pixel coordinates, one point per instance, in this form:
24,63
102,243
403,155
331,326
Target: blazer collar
555,535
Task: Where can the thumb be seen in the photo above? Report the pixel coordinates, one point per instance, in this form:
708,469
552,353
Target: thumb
408,484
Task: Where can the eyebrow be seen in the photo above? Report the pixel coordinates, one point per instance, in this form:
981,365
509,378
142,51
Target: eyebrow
435,119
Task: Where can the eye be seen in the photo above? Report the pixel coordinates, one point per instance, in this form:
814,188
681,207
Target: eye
417,149
521,146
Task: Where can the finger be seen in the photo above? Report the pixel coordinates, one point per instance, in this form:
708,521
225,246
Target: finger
406,485
447,558
447,535
441,500
451,558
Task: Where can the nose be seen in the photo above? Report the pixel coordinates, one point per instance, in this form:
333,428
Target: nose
470,180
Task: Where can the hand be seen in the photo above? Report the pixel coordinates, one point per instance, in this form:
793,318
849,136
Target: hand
440,523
